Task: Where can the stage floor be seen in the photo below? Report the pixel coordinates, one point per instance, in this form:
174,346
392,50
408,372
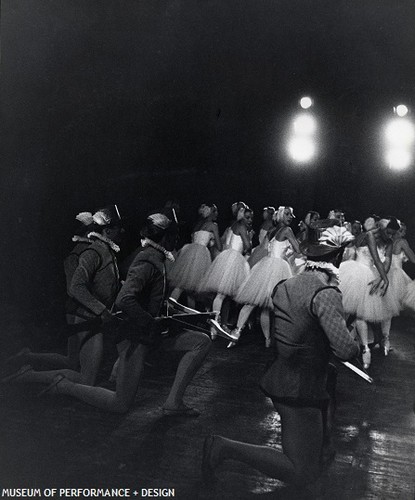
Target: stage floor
57,442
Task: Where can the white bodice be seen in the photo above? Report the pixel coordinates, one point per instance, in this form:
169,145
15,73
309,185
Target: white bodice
349,253
278,249
234,241
398,259
202,237
364,256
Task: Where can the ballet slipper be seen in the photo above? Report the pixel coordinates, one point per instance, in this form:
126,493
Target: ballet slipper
366,356
235,335
386,346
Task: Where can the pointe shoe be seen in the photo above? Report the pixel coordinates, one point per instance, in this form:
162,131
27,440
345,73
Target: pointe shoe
386,346
234,335
18,373
267,343
366,356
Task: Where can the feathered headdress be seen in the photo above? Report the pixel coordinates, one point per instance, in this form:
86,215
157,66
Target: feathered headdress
336,237
103,217
159,220
332,240
278,214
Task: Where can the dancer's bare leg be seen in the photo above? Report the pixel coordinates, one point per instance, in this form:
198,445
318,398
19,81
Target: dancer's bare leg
90,360
363,331
218,302
129,372
299,463
243,317
53,359
386,328
175,294
195,346
265,321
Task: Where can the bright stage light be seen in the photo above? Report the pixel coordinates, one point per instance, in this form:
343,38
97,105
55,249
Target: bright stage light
401,110
400,132
301,149
306,102
398,158
305,125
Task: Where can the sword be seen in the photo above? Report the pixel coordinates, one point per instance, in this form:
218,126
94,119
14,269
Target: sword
358,371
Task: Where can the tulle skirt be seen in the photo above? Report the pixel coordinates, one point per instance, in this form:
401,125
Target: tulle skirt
354,285
226,273
190,267
297,264
256,290
398,283
257,254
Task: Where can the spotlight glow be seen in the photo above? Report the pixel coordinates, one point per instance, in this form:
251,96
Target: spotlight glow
400,132
398,158
306,102
301,149
401,110
305,125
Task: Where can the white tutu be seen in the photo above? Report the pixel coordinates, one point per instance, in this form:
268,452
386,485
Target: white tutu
256,290
190,267
354,285
398,283
226,273
257,254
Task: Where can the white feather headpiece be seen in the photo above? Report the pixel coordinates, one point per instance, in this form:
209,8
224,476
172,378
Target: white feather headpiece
336,236
160,220
86,218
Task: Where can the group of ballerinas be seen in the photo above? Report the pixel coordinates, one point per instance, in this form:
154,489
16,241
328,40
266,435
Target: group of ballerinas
374,285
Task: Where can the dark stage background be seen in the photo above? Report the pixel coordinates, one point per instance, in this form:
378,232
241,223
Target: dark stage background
137,102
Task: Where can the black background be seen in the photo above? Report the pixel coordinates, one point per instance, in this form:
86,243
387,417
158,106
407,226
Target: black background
137,102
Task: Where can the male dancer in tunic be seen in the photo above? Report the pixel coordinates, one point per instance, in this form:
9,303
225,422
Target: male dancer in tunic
142,299
309,326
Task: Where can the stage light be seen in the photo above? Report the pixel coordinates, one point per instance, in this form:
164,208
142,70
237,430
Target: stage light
400,132
306,102
305,125
401,110
302,149
398,158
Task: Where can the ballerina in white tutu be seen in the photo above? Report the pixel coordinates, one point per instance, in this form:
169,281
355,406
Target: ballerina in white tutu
401,283
266,274
230,268
238,211
267,225
365,285
194,259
